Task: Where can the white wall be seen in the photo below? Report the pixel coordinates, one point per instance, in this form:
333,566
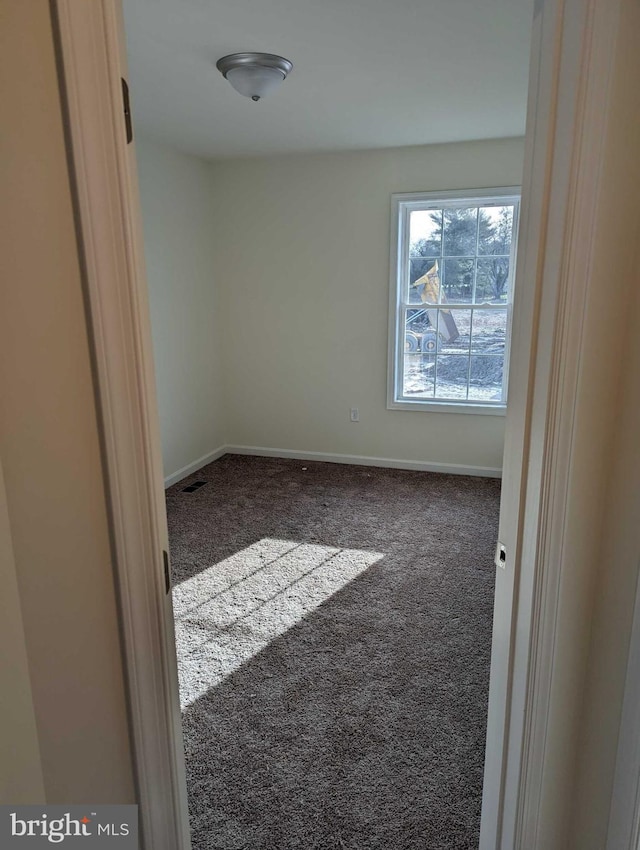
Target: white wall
177,210
21,779
301,247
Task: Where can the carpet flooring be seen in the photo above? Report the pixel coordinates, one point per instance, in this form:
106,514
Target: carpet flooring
333,629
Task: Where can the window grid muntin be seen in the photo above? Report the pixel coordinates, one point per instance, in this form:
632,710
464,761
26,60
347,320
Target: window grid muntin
468,355
441,257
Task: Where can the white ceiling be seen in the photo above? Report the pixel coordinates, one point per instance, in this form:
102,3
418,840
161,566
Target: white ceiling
367,73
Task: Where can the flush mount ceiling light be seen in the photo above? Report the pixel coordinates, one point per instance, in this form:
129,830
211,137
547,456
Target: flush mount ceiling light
254,74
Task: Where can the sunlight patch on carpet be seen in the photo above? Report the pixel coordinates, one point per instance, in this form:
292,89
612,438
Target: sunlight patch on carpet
232,610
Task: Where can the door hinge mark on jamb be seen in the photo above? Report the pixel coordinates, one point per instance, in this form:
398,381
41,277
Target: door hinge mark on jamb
127,111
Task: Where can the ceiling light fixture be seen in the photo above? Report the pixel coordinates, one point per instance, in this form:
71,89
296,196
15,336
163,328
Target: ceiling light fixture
254,74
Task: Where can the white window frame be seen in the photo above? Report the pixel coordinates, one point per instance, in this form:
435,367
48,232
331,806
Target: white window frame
401,207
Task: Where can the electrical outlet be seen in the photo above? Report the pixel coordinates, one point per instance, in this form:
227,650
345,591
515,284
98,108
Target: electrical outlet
354,414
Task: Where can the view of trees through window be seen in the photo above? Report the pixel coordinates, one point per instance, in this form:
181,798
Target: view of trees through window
455,297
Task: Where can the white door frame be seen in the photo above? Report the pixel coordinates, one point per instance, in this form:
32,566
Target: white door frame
92,63
574,41
573,47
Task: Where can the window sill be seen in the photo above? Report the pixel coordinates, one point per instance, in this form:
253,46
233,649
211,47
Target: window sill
449,407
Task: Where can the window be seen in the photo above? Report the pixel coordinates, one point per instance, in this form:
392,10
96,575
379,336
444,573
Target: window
451,295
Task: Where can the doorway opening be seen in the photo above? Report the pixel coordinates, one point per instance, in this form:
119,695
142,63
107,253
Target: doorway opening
333,620
559,209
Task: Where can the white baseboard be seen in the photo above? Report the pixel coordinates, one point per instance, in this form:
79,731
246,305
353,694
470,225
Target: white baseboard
327,457
361,460
195,466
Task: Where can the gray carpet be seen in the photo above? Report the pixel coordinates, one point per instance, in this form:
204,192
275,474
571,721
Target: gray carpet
334,634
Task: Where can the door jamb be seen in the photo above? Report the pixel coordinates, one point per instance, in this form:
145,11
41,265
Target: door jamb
572,54
91,49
